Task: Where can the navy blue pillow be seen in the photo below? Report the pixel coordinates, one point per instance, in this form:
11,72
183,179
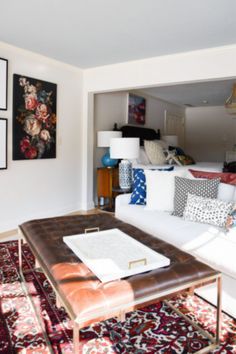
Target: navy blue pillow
178,150
138,195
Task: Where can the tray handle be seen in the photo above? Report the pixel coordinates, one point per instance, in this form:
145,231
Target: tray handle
141,260
92,229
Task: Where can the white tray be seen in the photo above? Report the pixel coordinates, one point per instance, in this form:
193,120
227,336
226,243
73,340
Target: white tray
112,254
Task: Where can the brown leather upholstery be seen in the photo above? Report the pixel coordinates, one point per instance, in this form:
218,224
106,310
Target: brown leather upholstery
83,294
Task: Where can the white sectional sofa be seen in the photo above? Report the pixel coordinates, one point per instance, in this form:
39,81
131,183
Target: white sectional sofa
207,243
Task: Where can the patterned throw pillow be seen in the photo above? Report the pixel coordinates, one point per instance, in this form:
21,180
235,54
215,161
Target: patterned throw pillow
207,210
202,188
139,193
154,152
185,160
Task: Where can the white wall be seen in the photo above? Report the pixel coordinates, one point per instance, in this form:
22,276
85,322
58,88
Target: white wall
210,132
208,64
39,188
110,108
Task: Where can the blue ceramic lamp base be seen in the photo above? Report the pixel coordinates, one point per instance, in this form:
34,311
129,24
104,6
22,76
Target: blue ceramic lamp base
107,161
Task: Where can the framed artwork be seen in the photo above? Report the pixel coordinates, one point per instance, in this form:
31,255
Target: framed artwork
3,143
34,118
3,83
136,109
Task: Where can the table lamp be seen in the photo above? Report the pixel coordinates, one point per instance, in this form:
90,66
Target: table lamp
103,140
125,148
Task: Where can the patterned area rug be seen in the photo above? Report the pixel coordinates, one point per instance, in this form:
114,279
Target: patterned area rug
154,329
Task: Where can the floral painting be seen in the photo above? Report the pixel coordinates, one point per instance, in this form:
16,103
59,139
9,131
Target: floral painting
34,118
136,109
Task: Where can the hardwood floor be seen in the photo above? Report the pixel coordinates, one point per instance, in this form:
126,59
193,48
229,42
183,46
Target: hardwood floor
13,234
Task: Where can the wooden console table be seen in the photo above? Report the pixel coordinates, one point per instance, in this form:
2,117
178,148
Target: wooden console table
107,179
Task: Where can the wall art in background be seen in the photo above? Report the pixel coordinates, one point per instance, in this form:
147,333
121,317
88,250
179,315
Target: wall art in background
3,143
3,83
136,109
34,118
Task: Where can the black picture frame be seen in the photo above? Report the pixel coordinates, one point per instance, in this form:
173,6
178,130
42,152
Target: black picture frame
3,143
3,83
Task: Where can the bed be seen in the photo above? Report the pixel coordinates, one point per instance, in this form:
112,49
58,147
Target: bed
129,131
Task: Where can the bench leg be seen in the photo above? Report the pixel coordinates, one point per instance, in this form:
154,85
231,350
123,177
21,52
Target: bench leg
75,337
121,316
219,310
20,254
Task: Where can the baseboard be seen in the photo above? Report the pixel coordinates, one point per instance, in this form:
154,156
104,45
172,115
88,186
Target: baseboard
6,234
12,232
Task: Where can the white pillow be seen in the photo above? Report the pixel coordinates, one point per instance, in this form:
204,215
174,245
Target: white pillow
154,152
163,144
143,158
226,192
161,189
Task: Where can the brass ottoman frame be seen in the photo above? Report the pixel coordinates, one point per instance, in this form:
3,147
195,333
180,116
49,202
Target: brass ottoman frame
126,307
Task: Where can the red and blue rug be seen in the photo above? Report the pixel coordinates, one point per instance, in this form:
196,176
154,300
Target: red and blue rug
154,329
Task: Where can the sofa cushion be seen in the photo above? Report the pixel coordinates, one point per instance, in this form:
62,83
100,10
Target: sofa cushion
206,242
138,195
183,186
226,192
160,189
207,210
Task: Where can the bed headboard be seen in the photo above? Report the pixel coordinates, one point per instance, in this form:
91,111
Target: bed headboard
129,131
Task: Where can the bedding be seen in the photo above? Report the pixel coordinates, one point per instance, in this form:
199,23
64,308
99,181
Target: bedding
144,162
204,166
225,177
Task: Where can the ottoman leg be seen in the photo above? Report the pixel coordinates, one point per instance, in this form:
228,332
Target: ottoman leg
75,337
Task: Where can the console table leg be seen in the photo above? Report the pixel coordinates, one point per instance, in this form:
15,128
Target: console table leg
75,337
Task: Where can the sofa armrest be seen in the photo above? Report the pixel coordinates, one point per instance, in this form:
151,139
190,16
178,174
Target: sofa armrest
122,199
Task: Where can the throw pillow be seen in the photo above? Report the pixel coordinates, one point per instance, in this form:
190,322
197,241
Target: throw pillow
154,152
177,149
201,188
142,159
231,219
207,210
225,177
138,195
160,189
184,160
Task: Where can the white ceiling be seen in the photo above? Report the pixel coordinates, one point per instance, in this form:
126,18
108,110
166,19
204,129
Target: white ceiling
214,92
89,33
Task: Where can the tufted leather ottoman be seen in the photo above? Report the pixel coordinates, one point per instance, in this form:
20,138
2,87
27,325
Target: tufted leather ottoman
85,298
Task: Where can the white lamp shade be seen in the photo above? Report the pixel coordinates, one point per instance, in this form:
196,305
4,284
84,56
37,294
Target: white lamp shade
171,140
104,137
124,148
